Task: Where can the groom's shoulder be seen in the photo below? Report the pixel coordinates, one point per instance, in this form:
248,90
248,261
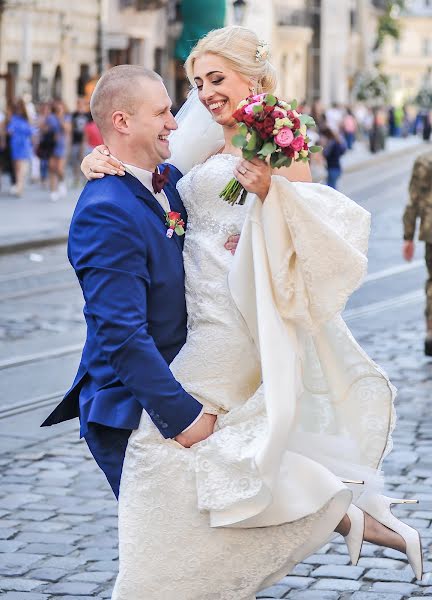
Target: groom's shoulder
104,192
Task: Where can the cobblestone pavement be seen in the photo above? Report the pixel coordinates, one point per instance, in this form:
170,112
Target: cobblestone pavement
58,519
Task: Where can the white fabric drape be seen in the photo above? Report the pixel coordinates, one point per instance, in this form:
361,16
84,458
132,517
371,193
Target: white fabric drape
301,255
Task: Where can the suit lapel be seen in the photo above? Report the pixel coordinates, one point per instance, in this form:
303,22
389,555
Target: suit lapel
144,194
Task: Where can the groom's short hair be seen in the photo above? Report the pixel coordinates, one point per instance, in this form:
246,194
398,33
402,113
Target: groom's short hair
117,89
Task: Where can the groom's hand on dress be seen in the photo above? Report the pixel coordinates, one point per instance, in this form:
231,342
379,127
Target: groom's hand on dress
232,243
202,429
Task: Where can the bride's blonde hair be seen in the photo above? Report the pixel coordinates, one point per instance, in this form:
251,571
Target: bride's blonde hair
240,47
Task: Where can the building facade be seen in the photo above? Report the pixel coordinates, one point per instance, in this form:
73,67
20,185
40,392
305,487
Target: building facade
48,48
408,61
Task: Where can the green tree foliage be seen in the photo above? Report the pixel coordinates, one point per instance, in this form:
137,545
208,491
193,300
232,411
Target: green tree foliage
388,22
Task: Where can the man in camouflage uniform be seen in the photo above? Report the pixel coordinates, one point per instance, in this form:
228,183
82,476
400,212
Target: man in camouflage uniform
420,205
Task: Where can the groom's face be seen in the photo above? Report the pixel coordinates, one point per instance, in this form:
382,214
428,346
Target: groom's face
152,122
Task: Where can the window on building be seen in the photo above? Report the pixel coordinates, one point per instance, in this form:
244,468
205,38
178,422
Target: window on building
36,81
353,15
83,78
57,83
158,60
12,76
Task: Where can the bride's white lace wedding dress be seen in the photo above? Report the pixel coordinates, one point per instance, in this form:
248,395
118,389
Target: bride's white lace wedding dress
233,514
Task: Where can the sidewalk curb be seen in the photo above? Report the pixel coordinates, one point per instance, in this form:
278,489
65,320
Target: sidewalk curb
32,243
381,157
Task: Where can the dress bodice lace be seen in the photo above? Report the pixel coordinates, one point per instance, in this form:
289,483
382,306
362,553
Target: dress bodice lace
217,337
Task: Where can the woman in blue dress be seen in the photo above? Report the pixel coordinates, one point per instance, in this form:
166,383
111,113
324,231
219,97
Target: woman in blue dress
21,133
59,124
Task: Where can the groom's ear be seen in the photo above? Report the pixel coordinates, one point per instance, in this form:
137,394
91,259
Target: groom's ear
120,122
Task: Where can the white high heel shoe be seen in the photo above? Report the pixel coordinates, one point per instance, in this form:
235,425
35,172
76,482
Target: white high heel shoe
354,539
379,508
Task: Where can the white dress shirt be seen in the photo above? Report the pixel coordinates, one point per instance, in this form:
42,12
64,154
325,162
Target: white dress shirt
145,177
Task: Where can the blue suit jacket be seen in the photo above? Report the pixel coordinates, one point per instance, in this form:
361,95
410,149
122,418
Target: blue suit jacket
132,279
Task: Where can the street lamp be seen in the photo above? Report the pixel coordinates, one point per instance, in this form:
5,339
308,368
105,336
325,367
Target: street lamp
239,7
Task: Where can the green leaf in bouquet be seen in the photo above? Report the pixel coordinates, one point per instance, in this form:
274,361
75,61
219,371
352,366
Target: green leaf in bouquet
293,104
267,149
307,120
253,141
239,141
248,154
297,132
257,109
243,130
270,100
179,230
278,160
315,149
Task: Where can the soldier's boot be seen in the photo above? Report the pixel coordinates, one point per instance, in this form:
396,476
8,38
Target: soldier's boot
428,339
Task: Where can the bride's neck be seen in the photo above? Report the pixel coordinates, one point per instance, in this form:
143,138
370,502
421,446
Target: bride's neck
229,133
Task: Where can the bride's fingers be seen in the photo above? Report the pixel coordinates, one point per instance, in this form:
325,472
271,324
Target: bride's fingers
102,166
92,175
102,149
107,161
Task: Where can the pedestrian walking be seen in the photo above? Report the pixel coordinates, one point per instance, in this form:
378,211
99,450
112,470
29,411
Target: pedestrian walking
92,136
427,127
79,119
46,141
59,125
420,206
349,126
377,131
334,148
21,133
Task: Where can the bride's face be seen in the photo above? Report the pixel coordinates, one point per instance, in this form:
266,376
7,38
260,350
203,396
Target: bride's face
220,88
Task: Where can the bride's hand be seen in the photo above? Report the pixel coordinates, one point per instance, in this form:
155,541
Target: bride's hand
255,176
98,163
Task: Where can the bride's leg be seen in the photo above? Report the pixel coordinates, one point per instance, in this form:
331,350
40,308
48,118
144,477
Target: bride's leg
375,532
379,534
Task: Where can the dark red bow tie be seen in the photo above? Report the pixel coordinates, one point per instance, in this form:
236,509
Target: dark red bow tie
159,179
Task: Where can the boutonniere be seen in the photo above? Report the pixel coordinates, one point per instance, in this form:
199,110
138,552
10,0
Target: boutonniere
175,224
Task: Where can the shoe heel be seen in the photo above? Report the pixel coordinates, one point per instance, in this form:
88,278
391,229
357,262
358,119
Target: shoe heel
379,508
354,539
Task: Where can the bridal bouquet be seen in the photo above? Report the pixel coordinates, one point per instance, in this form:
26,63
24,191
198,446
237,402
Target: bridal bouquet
272,130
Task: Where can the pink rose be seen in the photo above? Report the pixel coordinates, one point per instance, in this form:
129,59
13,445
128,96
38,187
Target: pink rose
259,97
249,108
284,137
298,143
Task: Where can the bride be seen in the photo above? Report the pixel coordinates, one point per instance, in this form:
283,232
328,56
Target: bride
302,416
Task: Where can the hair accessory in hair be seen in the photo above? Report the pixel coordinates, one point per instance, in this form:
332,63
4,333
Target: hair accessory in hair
262,51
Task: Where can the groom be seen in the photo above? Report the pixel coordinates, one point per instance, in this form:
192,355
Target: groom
132,278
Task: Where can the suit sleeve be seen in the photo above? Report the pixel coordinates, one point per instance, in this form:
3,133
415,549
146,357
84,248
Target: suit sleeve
110,259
